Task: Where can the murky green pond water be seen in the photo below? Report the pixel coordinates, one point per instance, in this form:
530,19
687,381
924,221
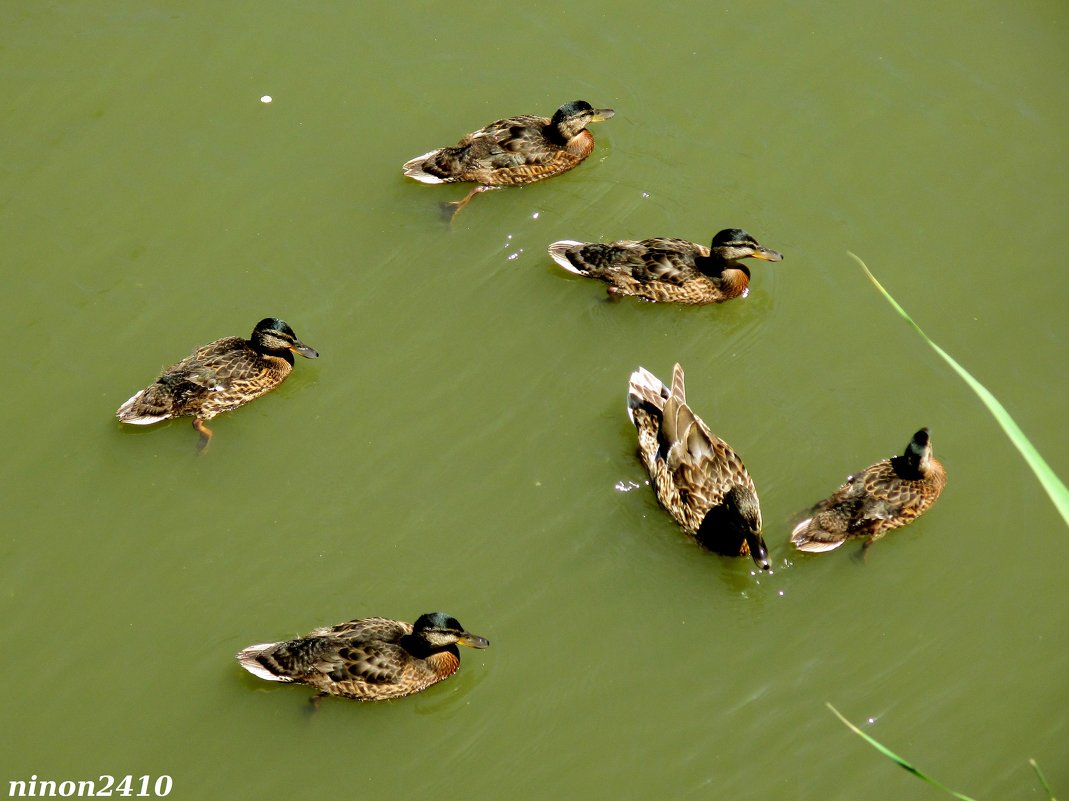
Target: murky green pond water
462,443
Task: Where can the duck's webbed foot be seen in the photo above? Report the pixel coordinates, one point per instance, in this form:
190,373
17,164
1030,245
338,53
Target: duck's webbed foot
313,702
457,205
205,434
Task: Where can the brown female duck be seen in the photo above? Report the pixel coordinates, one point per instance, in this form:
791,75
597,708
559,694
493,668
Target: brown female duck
369,659
696,476
668,270
218,377
513,151
880,498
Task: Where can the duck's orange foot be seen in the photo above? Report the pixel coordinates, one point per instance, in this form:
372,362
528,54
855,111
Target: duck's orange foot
205,434
457,205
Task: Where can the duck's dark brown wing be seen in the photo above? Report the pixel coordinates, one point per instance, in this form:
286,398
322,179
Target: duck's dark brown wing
360,650
230,360
511,151
370,662
669,261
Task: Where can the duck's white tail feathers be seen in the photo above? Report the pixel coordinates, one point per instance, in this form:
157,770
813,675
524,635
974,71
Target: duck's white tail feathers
414,169
809,536
645,388
129,413
558,252
249,659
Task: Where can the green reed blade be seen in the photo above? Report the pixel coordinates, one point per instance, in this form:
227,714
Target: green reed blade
887,752
1047,478
1042,779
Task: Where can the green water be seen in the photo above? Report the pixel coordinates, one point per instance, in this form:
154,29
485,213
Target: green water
462,442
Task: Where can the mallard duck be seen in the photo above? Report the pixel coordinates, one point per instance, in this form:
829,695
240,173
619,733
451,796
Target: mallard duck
218,377
668,270
513,151
696,476
368,659
882,497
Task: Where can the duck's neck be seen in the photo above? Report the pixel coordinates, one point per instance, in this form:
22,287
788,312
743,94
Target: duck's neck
421,649
908,467
285,355
731,277
554,134
573,137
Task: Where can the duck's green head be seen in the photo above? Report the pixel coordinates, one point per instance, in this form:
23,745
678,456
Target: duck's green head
439,630
272,335
571,118
732,244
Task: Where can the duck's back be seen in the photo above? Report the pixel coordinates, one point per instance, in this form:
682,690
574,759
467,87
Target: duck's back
669,260
692,469
869,504
516,150
661,270
242,374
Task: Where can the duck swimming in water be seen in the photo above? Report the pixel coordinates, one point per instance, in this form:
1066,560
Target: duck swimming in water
218,377
668,270
512,151
696,476
880,498
368,659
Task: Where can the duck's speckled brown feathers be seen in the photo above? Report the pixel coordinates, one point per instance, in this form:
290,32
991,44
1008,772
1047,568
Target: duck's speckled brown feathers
219,376
696,476
366,659
507,153
667,270
517,150
879,499
195,385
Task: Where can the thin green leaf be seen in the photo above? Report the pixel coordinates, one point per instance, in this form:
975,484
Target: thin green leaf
887,752
1047,477
1042,779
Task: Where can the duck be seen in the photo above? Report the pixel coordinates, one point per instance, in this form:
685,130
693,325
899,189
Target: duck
668,270
882,497
697,477
367,659
513,151
218,377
